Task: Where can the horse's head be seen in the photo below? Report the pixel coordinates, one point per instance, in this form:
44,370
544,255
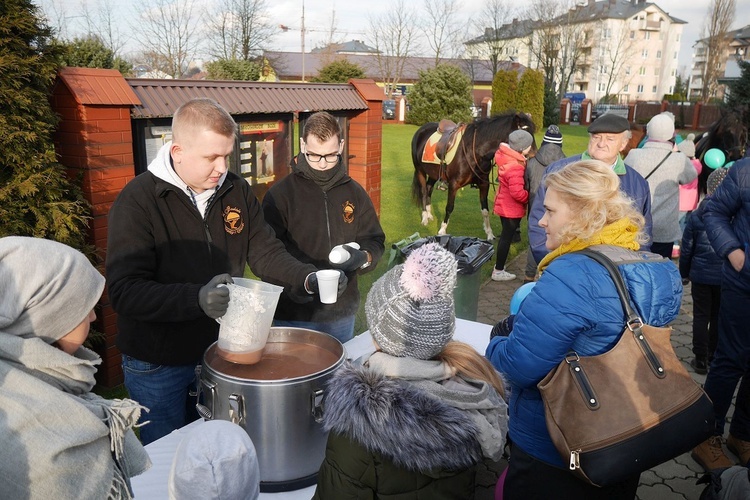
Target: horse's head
523,121
729,134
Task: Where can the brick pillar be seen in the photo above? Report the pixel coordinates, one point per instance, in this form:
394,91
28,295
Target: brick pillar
486,107
631,112
365,141
94,140
565,111
586,108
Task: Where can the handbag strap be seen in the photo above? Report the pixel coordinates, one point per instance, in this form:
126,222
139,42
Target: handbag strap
634,323
659,165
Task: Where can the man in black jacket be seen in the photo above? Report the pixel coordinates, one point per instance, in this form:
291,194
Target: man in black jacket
176,232
315,208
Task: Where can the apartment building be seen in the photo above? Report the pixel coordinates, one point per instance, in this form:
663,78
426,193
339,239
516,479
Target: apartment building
735,48
625,49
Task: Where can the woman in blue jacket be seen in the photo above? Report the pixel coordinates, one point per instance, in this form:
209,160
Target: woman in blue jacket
575,306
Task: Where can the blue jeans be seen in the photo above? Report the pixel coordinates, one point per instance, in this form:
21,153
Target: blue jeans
164,391
731,363
342,329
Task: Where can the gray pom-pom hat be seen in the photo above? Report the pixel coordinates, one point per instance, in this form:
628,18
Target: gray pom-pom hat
410,309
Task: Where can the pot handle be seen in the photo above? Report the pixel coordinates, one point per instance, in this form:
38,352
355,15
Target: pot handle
236,409
316,403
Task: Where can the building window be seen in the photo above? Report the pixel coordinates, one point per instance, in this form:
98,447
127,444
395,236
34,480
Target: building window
627,70
658,54
642,71
625,88
644,53
675,55
656,71
677,37
640,88
672,73
603,69
647,35
632,35
671,89
606,33
601,87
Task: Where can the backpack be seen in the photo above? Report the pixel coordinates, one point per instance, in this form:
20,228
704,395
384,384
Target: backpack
731,483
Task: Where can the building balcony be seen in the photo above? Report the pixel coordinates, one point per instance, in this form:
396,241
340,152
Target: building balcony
649,26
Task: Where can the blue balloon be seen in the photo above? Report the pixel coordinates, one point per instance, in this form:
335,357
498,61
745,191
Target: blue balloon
714,158
519,295
729,164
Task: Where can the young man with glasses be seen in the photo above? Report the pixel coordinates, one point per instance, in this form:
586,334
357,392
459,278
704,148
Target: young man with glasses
315,208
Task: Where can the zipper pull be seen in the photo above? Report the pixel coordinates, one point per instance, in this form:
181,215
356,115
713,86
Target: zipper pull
574,460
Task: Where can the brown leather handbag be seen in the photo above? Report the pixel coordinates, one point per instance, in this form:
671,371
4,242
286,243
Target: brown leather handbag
622,412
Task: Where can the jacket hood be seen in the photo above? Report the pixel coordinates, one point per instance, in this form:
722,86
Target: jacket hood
397,420
505,157
548,154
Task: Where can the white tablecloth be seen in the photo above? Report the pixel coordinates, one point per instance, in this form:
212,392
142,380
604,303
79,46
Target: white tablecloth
152,485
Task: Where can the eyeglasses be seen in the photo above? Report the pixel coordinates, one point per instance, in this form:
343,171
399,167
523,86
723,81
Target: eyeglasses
315,158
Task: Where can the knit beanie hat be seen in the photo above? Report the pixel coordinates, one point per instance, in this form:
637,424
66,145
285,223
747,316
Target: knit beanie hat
519,140
687,147
660,128
47,288
215,460
410,309
553,135
715,179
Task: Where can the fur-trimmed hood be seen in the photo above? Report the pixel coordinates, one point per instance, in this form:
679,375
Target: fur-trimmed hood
404,423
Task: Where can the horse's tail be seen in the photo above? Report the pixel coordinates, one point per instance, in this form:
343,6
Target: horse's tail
416,153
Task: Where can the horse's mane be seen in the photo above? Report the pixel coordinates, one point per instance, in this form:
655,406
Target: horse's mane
500,125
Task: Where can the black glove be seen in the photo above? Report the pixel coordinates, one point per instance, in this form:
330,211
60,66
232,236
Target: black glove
503,327
311,283
214,299
354,262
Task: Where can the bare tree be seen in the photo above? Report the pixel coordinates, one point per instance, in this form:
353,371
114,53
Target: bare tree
715,29
240,29
495,16
57,17
168,28
558,41
572,44
442,28
104,24
614,55
393,35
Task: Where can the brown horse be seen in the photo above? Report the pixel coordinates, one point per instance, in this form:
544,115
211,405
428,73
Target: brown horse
472,163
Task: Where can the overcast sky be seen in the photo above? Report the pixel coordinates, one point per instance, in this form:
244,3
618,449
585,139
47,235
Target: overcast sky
352,18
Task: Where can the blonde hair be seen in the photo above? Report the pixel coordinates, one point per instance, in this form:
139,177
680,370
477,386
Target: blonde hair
466,361
199,114
592,190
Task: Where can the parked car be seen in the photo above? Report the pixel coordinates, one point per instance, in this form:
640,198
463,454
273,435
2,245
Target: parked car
389,109
601,109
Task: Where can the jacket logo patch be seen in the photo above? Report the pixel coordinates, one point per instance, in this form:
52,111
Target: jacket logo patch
348,212
233,223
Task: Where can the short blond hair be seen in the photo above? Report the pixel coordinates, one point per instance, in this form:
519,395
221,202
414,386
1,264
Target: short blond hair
592,190
202,113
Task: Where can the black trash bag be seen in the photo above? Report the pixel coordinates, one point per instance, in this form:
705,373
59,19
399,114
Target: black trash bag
470,252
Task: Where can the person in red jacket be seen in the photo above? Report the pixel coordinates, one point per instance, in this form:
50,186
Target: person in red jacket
510,202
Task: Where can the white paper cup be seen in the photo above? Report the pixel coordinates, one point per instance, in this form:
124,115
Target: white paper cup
328,285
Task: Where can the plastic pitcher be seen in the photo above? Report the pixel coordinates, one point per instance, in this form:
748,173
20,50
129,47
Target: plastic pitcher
244,328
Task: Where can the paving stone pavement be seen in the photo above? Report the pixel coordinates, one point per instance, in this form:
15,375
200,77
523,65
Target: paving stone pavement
672,480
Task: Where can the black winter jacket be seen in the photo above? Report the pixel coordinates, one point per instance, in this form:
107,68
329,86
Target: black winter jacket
310,222
161,252
698,261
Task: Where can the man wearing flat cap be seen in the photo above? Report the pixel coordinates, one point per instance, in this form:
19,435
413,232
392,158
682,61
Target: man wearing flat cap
608,136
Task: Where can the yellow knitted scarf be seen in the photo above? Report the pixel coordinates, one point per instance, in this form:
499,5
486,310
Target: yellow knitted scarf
621,233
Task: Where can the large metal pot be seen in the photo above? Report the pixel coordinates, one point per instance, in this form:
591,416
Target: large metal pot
278,401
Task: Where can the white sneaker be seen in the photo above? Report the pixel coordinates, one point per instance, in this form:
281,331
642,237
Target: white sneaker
502,275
